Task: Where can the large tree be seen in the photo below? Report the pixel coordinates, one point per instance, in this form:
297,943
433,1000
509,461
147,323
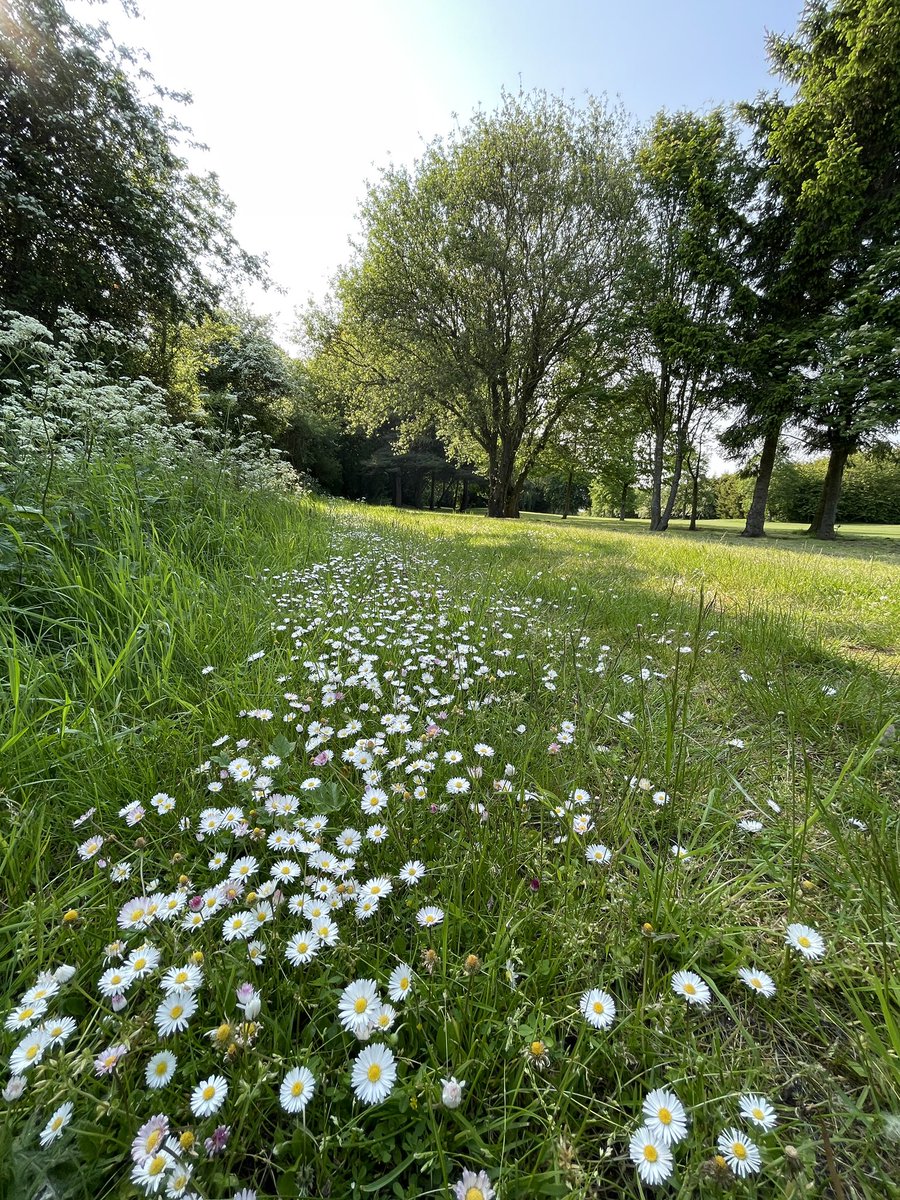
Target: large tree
98,210
830,206
694,185
483,274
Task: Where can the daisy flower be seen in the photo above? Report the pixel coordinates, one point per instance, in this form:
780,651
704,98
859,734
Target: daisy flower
150,1175
349,841
429,916
209,1096
400,982
150,1138
358,1005
598,853
805,940
107,1060
302,948
26,1014
160,1069
473,1186
757,981
458,786
691,987
742,1155
297,1089
665,1116
384,1018
29,1052
57,1123
377,834
58,1029
373,1075
412,872
174,1013
182,979
598,1008
758,1110
651,1156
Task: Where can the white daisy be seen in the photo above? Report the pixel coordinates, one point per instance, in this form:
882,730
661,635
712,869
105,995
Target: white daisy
651,1156
598,853
160,1069
374,1073
805,940
297,1089
741,1154
665,1116
691,987
758,1110
430,915
400,982
57,1123
174,1013
757,981
358,1005
411,872
598,1008
302,947
209,1096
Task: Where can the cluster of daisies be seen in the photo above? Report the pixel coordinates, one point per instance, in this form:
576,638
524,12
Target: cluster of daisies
269,872
652,1146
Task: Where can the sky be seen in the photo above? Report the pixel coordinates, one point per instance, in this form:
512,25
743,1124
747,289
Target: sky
301,101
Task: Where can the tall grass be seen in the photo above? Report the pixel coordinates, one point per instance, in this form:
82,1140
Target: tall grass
118,597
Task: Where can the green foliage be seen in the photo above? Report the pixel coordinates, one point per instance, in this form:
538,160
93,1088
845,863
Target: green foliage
483,271
100,213
870,494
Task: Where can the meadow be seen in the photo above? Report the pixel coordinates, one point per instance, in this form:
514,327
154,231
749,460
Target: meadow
354,852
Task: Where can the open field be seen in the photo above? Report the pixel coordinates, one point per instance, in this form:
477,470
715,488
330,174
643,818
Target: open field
529,768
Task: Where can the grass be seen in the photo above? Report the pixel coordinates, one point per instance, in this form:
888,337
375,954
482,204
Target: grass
768,696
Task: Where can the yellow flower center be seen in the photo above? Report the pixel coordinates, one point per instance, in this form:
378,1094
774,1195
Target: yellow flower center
26,1013
153,1140
757,983
374,1073
302,947
804,941
161,1069
599,1007
139,964
690,990
537,1049
651,1154
157,1164
665,1116
176,1011
759,1114
404,983
55,1123
208,1092
361,1004
32,1051
186,1140
474,1193
298,1088
137,915
739,1150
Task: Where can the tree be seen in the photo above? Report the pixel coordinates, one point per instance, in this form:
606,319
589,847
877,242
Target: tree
495,262
98,211
833,190
855,398
694,183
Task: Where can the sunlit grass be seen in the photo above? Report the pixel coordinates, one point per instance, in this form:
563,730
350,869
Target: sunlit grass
768,698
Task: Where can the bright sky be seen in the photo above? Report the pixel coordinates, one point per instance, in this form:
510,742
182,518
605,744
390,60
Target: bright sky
300,101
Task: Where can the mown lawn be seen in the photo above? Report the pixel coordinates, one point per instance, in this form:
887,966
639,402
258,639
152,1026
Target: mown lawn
569,763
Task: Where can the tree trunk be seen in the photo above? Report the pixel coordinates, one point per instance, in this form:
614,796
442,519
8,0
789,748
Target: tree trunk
826,513
503,491
756,515
695,498
398,490
431,499
464,500
666,515
623,499
567,498
656,482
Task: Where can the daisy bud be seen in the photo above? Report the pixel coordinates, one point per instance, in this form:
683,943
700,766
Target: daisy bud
186,1141
14,1088
197,957
70,916
118,1002
451,1092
